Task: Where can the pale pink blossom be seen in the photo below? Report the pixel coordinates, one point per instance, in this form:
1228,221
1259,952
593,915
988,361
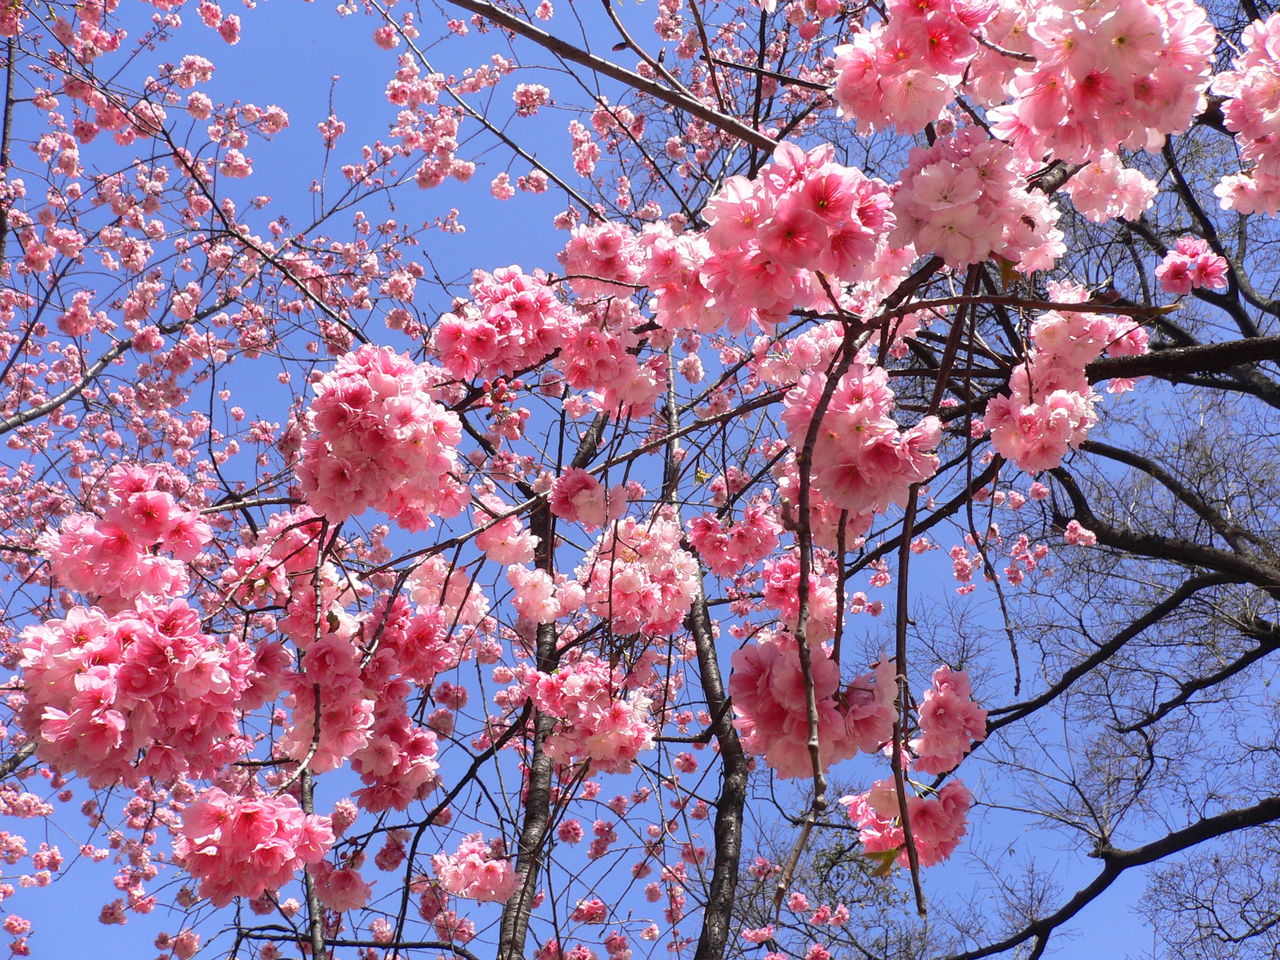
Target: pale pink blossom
950,722
477,870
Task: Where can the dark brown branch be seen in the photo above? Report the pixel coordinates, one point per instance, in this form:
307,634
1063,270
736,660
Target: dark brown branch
773,74
11,764
1117,861
1233,533
1175,361
1166,548
607,68
1211,116
537,817
718,914
315,913
1104,653
1269,641
537,798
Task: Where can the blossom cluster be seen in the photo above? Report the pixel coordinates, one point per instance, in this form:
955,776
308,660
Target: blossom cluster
1050,406
281,566
397,759
340,889
1106,188
904,70
599,356
1107,75
119,557
1192,265
768,693
541,598
673,274
785,238
727,550
354,680
240,846
638,577
597,722
860,460
966,197
950,722
477,870
937,821
513,321
141,693
578,497
353,671
803,222
378,439
1251,112
330,711
601,259
781,592
505,541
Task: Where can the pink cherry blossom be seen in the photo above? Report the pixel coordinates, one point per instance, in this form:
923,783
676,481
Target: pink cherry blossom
1191,265
597,723
379,440
239,846
477,870
637,577
937,821
950,722
768,694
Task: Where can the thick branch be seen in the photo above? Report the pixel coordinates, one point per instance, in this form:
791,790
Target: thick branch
1233,533
717,916
11,764
537,816
1104,653
1166,548
53,403
1117,861
1269,641
537,797
315,914
1175,361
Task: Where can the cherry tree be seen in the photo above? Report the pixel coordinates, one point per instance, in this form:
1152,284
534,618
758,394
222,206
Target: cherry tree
852,537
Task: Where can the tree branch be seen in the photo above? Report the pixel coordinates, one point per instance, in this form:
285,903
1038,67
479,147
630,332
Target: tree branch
1117,861
607,68
1202,358
717,915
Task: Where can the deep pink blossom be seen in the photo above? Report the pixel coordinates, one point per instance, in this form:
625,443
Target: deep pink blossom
477,870
239,846
379,440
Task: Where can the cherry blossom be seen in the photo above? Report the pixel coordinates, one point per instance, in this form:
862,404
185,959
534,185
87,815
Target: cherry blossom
477,870
380,441
767,686
598,723
523,571
241,846
937,821
1191,265
950,722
